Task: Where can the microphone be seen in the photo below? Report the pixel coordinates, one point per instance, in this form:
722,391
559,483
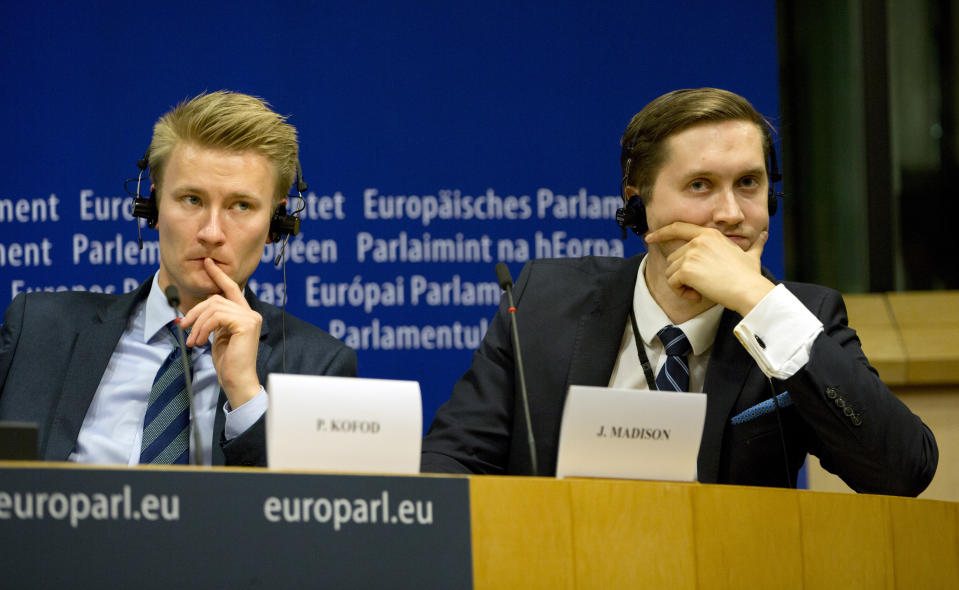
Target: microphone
173,299
506,283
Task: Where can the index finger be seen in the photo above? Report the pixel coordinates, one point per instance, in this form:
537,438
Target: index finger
229,288
677,230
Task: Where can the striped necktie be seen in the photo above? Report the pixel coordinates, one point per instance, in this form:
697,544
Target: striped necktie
166,427
674,376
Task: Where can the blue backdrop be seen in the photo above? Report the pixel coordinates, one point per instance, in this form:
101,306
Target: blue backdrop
468,128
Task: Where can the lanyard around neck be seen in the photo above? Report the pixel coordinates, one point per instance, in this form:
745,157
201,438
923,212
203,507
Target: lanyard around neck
641,351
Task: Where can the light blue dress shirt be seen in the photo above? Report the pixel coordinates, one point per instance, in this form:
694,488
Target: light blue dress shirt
113,426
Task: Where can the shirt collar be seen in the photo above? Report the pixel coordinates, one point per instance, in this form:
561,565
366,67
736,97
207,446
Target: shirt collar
650,318
158,312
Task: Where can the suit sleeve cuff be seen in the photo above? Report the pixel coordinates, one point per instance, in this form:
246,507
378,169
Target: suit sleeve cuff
241,419
779,333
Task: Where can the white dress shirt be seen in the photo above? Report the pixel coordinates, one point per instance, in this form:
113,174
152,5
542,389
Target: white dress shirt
778,333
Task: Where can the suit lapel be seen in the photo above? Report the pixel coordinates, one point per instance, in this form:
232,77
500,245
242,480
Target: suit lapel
93,345
219,423
595,347
264,349
726,375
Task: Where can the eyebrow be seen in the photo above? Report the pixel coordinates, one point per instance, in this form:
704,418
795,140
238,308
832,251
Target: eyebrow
187,189
199,191
709,173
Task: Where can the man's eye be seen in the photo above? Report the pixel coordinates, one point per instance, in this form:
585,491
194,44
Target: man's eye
191,199
699,185
749,182
242,205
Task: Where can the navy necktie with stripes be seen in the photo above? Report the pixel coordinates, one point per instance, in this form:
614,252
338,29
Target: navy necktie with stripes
166,427
674,376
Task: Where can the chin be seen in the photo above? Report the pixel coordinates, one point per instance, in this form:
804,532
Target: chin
200,288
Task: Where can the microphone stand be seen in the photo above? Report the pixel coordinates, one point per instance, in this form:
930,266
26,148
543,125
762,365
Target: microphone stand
173,298
506,282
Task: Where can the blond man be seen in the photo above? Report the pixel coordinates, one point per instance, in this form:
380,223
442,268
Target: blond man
98,373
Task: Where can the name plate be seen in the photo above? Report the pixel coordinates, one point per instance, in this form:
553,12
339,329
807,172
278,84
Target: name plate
630,434
343,424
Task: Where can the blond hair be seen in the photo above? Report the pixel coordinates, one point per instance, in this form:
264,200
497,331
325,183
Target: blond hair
229,121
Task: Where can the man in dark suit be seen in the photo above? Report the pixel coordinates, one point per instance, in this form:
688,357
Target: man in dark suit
782,371
98,373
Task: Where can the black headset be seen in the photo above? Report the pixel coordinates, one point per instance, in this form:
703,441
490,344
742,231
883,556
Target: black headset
632,214
282,223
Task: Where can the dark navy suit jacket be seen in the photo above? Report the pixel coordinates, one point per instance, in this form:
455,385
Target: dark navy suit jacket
572,313
54,349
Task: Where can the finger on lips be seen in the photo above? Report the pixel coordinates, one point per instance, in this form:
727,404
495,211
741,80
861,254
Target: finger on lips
229,288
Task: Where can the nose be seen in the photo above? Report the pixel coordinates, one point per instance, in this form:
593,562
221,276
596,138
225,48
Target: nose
211,228
728,210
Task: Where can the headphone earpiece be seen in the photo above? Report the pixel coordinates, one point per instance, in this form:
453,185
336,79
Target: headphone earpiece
632,215
146,209
282,223
774,174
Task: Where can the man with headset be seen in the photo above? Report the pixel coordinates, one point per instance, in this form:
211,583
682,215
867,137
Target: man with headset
783,373
101,374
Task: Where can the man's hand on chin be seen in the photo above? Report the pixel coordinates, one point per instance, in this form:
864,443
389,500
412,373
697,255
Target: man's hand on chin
711,265
236,335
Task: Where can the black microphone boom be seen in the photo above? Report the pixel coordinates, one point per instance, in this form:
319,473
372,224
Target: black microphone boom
504,278
506,283
173,298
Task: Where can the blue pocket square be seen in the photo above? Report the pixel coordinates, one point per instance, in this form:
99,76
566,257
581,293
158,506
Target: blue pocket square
762,408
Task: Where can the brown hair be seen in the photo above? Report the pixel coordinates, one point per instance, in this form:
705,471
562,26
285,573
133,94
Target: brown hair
229,121
644,141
